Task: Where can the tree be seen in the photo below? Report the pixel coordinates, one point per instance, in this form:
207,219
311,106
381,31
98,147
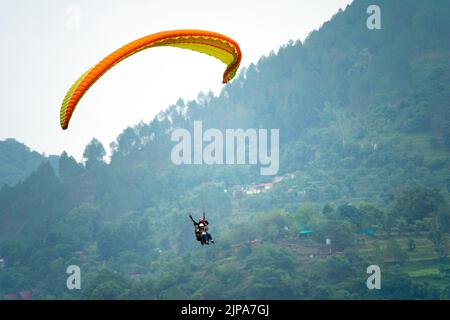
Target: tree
94,153
394,252
418,203
340,233
327,209
437,236
107,285
352,214
340,121
127,142
82,223
68,167
108,243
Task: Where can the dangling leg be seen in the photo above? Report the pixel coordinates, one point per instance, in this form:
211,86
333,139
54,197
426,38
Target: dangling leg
205,238
209,237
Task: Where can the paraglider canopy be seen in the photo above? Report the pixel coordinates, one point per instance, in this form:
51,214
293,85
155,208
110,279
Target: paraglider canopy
211,43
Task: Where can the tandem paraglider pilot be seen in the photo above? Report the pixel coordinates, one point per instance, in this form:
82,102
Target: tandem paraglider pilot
201,230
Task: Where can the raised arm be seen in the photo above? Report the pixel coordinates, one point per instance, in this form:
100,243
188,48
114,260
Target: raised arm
195,222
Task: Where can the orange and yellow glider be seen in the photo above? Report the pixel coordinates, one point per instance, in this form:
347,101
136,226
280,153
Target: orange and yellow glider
207,42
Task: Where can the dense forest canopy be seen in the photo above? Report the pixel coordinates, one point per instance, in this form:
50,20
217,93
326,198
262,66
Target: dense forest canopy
364,124
17,161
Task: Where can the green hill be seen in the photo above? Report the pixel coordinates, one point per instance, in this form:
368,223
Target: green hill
17,161
364,145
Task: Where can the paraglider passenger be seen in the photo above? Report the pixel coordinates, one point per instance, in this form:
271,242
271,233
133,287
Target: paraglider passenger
201,230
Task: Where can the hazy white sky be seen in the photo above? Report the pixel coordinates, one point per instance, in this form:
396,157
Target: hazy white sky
45,45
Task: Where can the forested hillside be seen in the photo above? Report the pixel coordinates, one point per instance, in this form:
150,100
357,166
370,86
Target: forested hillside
364,120
17,161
